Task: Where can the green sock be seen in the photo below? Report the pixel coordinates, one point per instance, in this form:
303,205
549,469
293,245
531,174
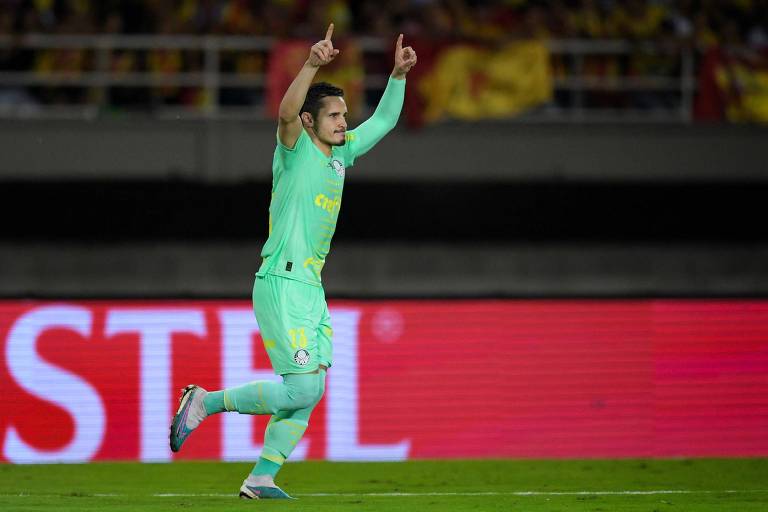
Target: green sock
265,467
214,402
284,431
283,434
297,391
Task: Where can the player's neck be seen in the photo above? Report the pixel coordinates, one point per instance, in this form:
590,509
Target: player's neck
323,146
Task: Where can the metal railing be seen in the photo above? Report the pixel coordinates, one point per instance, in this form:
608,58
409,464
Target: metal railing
574,86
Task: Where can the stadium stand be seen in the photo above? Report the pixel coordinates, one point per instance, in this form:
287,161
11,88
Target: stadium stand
137,138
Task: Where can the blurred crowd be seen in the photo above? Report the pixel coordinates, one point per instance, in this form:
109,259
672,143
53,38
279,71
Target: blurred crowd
705,22
698,24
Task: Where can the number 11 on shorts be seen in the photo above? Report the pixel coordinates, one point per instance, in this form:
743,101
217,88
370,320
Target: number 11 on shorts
298,338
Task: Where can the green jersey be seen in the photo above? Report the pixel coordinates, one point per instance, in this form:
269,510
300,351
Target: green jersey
307,187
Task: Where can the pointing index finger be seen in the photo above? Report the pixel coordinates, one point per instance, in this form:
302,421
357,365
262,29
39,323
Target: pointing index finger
329,33
399,44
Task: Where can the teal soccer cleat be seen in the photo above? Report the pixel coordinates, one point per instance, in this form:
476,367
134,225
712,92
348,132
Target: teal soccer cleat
250,492
188,417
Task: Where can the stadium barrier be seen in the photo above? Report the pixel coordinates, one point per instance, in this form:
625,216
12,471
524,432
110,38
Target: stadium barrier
578,65
98,380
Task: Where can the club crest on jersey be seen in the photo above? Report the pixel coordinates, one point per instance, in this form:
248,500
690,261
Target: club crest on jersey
337,166
301,357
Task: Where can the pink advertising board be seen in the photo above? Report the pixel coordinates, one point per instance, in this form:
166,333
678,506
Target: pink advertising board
98,380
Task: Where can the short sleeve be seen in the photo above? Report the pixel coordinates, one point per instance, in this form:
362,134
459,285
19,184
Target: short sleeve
286,155
300,142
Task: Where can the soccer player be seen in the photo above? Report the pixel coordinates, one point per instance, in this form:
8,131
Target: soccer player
314,149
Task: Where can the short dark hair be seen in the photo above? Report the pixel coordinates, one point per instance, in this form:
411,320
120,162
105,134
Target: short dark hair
315,94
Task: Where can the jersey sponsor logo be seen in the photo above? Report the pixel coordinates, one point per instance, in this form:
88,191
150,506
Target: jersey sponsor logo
338,167
301,357
328,204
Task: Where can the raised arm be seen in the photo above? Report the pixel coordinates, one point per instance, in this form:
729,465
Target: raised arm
388,110
289,123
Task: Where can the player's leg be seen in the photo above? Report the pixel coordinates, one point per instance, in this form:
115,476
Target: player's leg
286,428
283,433
288,313
295,392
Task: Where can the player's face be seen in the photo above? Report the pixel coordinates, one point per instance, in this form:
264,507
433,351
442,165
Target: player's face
331,122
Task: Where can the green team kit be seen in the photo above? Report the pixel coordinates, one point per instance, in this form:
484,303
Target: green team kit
288,297
307,186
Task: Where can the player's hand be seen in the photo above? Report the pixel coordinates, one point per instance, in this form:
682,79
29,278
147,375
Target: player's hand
405,59
323,52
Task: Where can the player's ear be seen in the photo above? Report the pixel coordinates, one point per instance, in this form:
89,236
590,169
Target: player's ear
306,118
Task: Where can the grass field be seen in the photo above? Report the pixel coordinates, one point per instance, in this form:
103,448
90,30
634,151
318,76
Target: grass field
576,485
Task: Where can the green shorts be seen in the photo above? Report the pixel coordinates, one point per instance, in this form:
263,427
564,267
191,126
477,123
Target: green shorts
294,323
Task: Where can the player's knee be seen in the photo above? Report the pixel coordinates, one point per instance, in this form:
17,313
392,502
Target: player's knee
303,400
306,392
